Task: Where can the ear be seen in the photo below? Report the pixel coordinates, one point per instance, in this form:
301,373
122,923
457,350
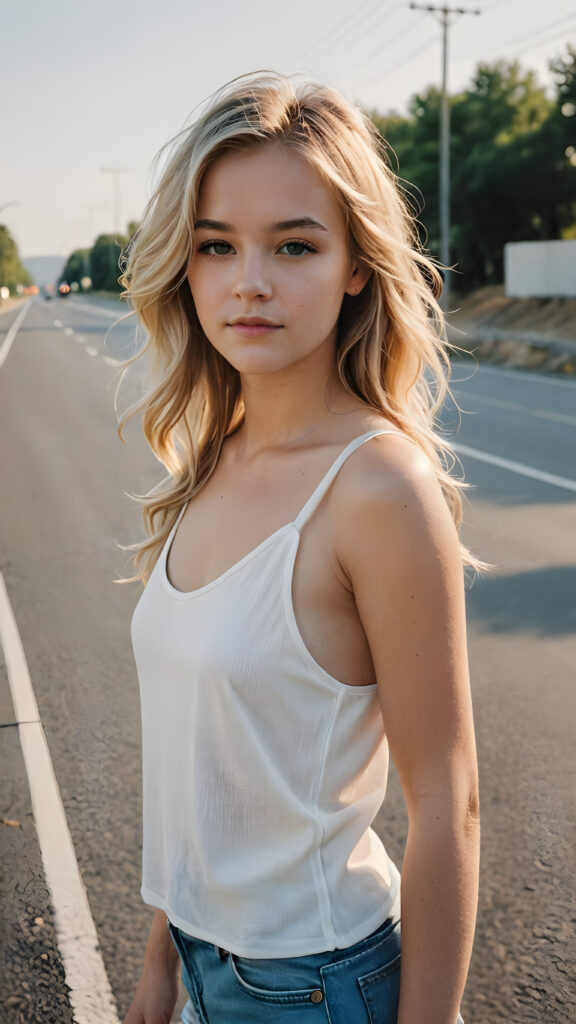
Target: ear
358,278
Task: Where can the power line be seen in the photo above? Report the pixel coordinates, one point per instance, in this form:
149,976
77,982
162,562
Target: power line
521,49
544,42
339,30
402,62
496,4
352,31
394,39
371,25
361,30
539,31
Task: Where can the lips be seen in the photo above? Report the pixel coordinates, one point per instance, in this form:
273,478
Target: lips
253,326
253,321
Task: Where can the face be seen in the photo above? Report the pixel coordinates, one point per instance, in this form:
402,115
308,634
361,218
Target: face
271,261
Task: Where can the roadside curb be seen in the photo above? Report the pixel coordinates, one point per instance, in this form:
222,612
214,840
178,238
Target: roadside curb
7,305
515,349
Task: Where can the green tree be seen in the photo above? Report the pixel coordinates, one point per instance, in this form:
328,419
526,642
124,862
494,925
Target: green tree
559,142
12,273
104,256
504,187
77,266
499,191
414,141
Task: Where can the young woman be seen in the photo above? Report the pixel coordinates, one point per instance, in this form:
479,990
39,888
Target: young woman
304,603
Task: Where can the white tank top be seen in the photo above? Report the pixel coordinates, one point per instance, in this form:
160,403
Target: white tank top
262,773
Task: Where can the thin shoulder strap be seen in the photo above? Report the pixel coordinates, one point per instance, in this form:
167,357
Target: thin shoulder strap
176,522
315,499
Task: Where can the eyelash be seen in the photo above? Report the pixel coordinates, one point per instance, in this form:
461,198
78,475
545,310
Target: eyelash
203,248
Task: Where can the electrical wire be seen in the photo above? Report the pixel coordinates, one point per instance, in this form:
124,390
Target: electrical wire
518,50
543,28
375,23
342,28
496,4
545,42
383,47
363,25
404,61
394,39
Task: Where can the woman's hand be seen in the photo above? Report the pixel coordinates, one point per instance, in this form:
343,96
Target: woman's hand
155,997
157,990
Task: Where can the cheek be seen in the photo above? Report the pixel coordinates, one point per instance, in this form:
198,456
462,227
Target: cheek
201,288
191,278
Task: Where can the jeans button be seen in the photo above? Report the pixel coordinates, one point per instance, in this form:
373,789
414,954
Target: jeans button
316,996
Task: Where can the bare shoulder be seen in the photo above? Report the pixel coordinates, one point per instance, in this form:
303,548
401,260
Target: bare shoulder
385,470
388,496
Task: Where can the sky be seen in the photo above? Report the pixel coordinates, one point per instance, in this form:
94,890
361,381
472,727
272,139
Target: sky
105,83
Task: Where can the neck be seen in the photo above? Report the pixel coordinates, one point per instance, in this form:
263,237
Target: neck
284,408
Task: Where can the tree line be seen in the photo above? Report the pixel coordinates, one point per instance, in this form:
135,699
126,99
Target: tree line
98,264
513,164
12,273
513,171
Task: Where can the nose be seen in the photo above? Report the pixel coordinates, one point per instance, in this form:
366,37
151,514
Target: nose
252,279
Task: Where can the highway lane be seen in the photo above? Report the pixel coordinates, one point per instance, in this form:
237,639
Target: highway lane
517,415
63,473
63,513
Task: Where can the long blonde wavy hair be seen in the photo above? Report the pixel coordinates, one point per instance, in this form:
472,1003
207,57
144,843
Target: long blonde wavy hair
391,349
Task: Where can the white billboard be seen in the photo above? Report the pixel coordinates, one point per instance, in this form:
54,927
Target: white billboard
540,269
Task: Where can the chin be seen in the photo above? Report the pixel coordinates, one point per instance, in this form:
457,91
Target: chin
258,362
258,367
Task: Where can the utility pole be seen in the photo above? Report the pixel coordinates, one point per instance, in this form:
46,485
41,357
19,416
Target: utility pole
115,172
442,14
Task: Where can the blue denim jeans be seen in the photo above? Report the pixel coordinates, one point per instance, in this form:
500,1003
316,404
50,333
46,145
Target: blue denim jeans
358,985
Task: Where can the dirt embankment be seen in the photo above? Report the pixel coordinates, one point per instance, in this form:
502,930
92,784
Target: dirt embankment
535,334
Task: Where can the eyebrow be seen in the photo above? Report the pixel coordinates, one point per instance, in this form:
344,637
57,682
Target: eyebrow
281,225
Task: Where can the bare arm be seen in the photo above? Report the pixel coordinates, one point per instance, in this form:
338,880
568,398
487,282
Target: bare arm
157,990
403,563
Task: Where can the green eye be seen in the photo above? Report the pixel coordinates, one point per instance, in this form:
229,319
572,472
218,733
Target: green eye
215,248
297,248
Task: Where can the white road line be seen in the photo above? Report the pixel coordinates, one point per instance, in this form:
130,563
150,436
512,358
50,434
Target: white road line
91,351
9,339
112,362
555,417
57,323
516,467
109,314
90,993
69,331
528,375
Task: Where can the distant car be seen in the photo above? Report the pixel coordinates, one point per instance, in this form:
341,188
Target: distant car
63,289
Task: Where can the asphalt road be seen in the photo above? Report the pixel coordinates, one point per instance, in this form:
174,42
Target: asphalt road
63,473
